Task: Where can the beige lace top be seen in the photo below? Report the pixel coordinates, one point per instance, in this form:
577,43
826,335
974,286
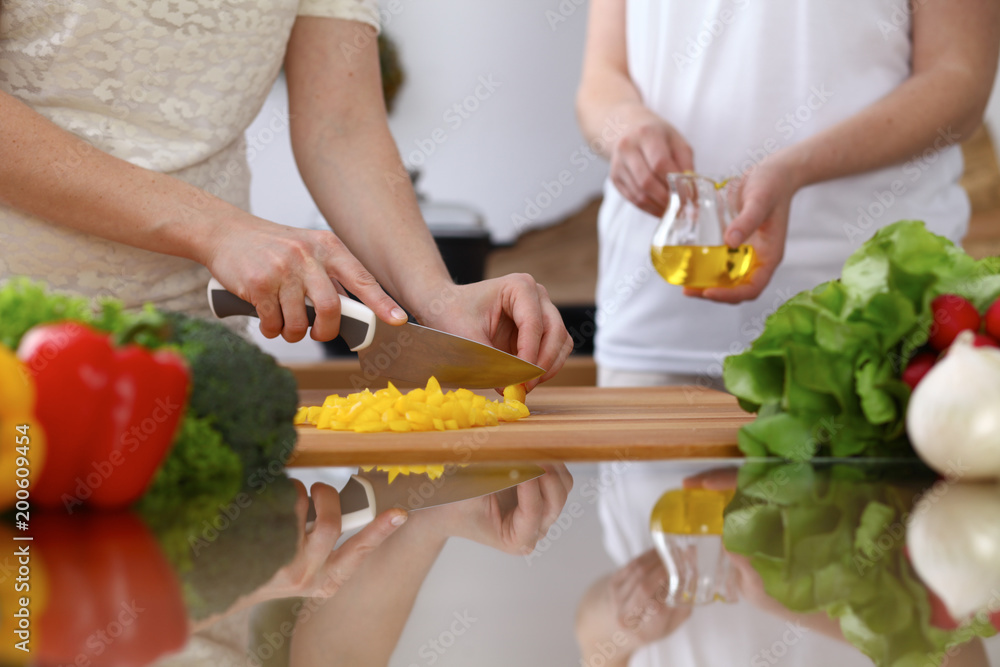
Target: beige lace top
169,85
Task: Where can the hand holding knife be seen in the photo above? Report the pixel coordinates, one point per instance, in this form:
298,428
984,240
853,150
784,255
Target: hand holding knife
409,352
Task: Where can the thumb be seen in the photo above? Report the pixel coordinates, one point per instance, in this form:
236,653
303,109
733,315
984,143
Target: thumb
362,284
751,217
350,556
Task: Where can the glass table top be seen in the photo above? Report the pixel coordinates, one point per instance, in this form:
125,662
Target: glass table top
757,562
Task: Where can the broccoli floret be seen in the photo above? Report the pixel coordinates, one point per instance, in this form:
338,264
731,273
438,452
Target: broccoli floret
223,546
248,397
199,474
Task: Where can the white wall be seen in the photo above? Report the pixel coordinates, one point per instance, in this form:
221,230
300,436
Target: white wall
518,138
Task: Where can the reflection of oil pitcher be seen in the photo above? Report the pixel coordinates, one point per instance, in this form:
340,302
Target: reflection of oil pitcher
686,527
687,248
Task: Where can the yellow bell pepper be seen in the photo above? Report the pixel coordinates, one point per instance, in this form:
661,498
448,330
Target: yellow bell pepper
22,440
423,409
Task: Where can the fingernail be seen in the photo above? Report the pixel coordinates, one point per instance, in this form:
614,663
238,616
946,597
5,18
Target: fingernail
398,314
735,238
399,519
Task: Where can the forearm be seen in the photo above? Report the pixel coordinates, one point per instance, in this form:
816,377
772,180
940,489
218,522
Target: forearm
360,186
362,622
349,161
598,635
52,174
935,110
954,60
607,98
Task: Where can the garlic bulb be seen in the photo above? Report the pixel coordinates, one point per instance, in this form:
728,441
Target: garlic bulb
954,415
954,544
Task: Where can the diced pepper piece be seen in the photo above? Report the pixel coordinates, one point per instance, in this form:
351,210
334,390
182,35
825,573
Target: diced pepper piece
514,392
301,416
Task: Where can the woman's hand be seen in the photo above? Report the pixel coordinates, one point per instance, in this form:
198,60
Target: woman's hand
275,267
766,199
637,592
626,611
512,520
319,570
648,150
512,313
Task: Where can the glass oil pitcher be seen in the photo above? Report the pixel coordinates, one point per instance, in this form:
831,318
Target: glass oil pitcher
686,527
687,248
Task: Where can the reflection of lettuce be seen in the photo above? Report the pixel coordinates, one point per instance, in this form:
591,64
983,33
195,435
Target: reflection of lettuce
225,548
832,539
824,375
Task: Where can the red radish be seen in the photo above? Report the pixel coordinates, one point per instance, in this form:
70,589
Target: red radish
952,315
992,319
918,367
940,618
982,340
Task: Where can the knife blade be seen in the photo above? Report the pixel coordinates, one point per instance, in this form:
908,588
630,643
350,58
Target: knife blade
408,353
367,494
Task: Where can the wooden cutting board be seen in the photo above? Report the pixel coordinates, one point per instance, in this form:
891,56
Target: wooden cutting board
566,424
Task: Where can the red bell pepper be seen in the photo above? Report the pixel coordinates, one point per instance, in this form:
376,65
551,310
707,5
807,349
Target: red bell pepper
110,414
112,596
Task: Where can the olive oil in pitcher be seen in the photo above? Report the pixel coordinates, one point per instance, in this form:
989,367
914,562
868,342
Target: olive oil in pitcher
703,266
687,247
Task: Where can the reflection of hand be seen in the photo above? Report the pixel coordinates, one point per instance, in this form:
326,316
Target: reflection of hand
638,591
512,520
318,569
646,152
512,313
763,223
275,267
626,611
718,479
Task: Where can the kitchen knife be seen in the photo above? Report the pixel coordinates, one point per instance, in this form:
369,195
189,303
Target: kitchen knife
408,353
367,494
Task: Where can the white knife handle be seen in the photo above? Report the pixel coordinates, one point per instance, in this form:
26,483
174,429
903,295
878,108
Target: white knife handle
357,518
361,517
357,321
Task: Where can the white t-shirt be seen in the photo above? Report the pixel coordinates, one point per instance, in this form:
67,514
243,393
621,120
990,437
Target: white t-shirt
169,86
741,79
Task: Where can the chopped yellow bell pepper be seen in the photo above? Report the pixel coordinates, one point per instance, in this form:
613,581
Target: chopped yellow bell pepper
433,471
426,409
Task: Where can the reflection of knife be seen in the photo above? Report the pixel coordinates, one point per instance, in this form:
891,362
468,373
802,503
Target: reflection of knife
410,353
368,493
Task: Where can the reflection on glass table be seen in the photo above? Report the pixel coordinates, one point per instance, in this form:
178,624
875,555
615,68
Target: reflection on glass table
835,564
829,564
257,579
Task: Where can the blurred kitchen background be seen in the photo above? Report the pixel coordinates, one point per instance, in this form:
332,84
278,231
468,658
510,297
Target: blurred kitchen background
486,114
